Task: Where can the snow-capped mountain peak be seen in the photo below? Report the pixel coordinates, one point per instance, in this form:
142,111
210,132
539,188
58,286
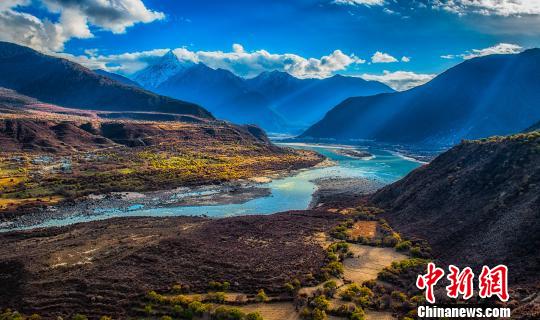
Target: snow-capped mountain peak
161,70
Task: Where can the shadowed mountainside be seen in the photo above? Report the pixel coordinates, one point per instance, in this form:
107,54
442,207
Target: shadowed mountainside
481,97
476,204
117,77
61,82
302,102
274,100
225,94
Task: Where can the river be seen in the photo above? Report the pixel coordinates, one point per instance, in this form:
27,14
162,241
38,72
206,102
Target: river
288,193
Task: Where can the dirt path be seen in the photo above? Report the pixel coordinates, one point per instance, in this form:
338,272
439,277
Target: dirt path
368,261
378,315
273,311
365,264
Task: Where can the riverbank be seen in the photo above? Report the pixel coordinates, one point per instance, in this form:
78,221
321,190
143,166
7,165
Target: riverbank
334,191
334,181
117,204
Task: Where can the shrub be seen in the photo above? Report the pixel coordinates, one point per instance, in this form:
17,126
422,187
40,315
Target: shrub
11,315
334,268
220,286
320,302
318,314
416,252
403,246
154,296
330,288
177,310
358,314
177,288
289,287
345,310
148,309
305,313
261,296
390,241
360,294
198,308
166,318
254,316
80,317
105,318
398,296
227,313
217,297
36,316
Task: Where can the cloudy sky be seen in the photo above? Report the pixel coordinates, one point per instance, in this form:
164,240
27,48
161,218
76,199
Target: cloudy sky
400,42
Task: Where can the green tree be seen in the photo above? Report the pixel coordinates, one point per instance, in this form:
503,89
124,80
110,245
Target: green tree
261,296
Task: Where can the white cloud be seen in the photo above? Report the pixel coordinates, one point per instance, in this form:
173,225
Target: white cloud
74,21
405,59
380,57
400,80
360,2
125,63
238,61
238,48
501,48
449,56
490,7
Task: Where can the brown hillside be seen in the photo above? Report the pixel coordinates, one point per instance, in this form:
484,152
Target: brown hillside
478,203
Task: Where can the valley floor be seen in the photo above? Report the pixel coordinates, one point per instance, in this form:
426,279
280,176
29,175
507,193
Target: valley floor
52,159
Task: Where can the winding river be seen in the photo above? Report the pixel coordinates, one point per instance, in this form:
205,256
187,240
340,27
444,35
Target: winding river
288,193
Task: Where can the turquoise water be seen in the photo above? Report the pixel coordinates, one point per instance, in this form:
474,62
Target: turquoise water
290,193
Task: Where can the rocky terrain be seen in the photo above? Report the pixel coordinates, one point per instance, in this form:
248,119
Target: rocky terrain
106,267
478,203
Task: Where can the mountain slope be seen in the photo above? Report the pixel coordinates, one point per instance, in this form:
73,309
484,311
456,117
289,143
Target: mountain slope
117,77
159,71
476,204
492,95
534,127
274,100
224,94
305,101
68,84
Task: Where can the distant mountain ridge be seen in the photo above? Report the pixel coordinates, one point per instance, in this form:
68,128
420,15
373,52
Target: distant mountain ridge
305,101
485,96
275,100
223,93
65,83
117,77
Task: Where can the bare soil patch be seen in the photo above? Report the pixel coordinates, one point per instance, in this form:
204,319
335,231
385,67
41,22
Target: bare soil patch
273,311
368,261
366,229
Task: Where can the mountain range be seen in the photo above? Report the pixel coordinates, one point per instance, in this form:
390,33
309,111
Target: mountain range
275,100
67,84
491,95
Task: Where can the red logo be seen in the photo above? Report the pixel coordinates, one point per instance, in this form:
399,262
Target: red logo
492,282
460,282
429,280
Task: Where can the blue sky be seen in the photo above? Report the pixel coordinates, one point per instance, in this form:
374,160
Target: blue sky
378,39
